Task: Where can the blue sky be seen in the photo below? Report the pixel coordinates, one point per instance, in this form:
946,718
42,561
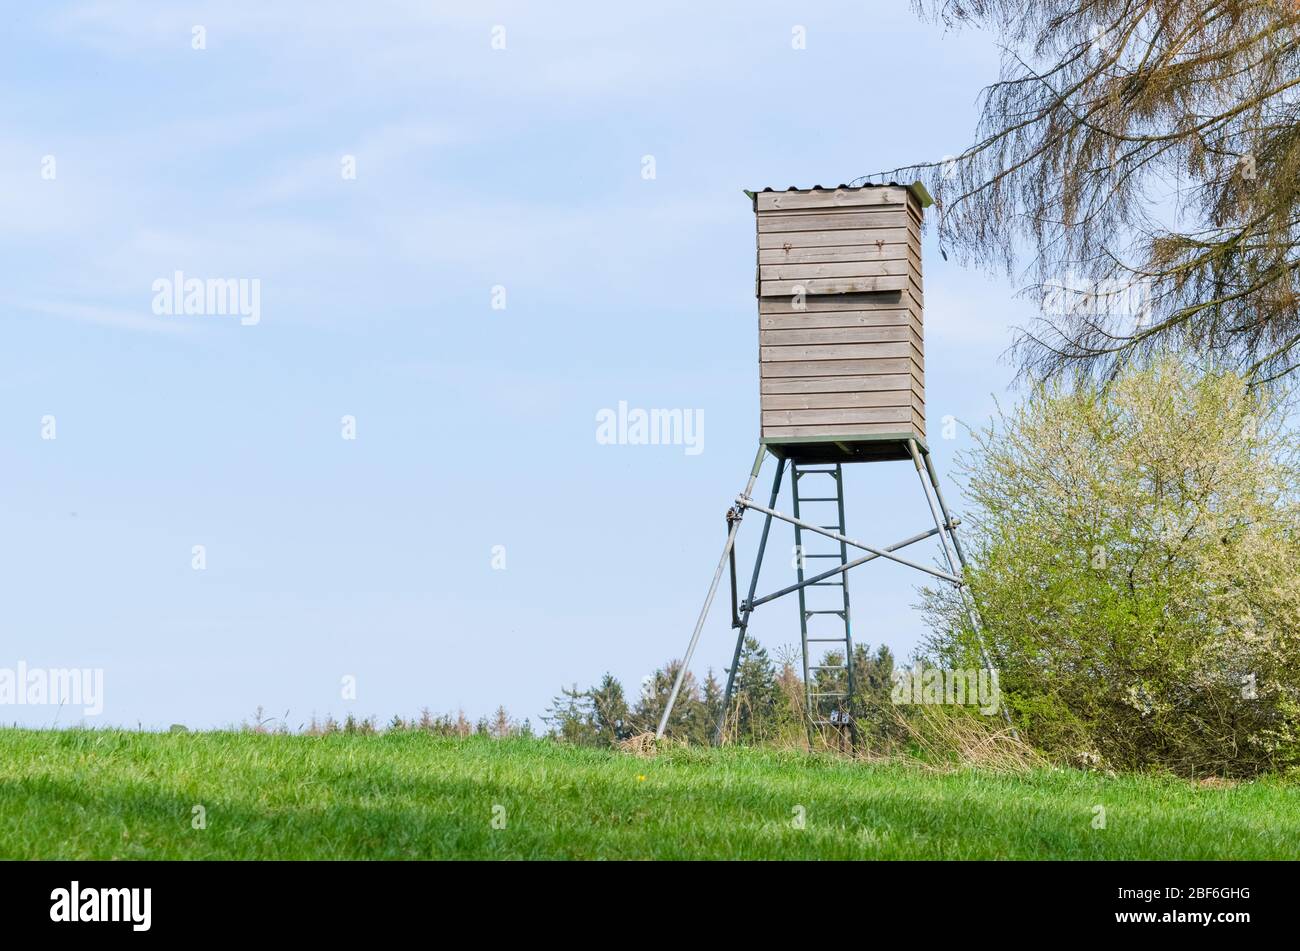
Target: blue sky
476,168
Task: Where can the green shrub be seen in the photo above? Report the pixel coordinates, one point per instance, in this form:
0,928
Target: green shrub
1135,552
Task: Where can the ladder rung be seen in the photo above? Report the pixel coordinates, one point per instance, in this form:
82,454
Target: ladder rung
833,528
822,556
827,640
827,584
835,667
841,611
828,694
805,471
822,498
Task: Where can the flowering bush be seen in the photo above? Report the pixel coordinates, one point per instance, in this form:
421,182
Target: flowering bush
1135,553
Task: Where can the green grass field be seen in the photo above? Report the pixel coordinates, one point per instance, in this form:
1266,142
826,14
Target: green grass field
123,795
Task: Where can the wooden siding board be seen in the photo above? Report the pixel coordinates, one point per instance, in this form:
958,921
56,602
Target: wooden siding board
849,318
822,391
840,368
785,338
880,216
848,417
863,429
834,285
819,238
842,221
862,301
844,400
812,352
788,319
879,250
827,198
804,272
833,384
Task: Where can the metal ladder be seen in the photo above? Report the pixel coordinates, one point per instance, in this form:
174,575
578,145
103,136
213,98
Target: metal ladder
825,708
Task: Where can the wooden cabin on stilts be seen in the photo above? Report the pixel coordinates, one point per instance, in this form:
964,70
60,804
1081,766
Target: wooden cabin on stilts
841,380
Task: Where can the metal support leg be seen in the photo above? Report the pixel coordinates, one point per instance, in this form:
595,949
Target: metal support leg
939,522
708,600
952,526
748,608
849,676
956,558
972,609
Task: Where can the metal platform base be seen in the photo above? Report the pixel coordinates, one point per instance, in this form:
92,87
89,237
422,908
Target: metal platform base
796,453
831,450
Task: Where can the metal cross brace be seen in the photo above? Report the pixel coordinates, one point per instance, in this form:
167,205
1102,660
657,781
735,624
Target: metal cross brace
878,552
750,605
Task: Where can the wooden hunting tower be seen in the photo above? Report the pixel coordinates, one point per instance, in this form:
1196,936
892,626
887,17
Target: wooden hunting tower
841,379
840,311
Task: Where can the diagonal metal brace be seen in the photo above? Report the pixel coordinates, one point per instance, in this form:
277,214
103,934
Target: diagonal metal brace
708,599
879,552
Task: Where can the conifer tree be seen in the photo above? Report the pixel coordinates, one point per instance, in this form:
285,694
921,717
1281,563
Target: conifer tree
1144,158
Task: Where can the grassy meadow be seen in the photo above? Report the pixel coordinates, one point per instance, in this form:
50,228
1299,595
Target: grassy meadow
102,794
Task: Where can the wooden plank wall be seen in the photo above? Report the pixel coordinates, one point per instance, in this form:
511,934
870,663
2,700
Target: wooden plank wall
840,312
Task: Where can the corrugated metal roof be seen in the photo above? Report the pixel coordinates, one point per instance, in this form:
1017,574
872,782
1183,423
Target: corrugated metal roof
916,188
833,188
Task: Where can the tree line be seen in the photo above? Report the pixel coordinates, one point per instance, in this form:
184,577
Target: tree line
767,703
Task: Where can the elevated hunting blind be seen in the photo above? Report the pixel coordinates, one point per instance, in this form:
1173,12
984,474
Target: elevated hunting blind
841,380
840,316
